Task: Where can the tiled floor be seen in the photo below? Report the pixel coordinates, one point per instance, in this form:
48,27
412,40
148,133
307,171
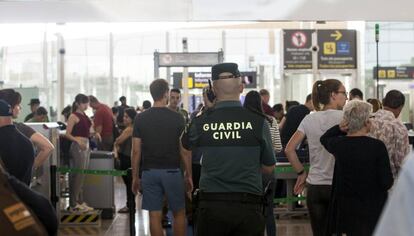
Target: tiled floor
119,225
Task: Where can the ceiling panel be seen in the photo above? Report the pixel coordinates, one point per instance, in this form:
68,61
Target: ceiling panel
203,10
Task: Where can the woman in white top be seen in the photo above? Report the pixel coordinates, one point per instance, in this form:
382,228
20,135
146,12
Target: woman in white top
328,97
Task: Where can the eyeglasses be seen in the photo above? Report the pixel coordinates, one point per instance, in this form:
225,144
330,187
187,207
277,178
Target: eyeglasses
343,92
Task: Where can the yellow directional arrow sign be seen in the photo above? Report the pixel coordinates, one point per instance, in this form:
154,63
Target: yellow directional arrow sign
337,35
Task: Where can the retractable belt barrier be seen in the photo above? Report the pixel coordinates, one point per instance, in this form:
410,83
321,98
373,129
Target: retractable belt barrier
92,172
106,173
289,199
278,169
288,169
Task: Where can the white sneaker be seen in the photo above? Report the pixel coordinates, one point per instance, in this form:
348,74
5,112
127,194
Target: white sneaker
85,207
77,209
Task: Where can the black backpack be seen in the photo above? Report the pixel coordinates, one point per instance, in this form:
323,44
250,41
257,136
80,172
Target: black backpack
15,217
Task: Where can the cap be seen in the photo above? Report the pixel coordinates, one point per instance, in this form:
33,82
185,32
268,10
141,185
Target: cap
5,108
34,101
217,69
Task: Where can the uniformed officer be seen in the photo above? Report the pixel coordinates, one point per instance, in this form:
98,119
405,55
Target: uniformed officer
236,148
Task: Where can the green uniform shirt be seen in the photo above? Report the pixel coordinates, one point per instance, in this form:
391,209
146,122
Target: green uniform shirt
184,113
235,143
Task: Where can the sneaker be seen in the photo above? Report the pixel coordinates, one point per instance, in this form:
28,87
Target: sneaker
77,209
85,207
124,209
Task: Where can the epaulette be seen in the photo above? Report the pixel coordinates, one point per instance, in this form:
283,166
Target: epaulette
204,112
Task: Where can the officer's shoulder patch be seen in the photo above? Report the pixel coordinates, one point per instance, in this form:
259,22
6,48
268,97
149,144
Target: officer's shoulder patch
209,111
199,114
204,113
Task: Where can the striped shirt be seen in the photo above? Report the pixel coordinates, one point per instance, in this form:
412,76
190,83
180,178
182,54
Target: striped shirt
274,133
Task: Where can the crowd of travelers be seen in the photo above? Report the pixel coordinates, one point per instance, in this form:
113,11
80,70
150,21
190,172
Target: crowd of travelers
356,152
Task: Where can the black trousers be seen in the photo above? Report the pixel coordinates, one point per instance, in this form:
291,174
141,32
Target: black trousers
270,181
229,219
125,163
318,199
196,175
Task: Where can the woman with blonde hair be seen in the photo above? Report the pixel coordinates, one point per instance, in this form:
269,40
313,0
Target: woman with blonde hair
376,104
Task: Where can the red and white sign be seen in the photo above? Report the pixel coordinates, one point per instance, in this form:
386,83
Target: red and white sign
299,39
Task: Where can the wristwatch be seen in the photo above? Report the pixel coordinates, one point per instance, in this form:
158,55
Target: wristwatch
301,172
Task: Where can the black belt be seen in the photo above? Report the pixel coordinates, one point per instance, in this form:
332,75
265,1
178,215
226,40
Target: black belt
244,198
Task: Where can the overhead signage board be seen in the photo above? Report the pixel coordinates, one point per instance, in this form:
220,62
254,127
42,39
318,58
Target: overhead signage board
195,79
391,73
190,59
297,50
200,79
337,49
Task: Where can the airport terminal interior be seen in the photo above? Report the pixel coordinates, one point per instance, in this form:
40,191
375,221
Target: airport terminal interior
106,107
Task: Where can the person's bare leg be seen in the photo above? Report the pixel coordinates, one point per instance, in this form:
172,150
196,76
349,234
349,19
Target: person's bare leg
179,224
155,223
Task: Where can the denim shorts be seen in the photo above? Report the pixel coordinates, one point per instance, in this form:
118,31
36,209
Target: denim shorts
157,183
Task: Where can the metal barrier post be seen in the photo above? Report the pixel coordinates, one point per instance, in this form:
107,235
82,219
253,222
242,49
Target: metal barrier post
53,190
131,208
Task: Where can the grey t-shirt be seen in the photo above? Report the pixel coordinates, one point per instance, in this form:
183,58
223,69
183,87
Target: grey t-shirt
159,129
321,161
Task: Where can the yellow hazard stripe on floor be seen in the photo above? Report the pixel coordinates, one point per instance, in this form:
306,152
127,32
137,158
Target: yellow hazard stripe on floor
69,218
92,218
79,218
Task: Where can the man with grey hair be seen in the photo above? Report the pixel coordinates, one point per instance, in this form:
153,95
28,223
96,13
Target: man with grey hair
388,128
236,147
362,174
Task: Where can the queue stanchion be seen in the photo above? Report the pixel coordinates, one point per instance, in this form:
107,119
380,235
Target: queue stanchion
53,188
131,207
94,217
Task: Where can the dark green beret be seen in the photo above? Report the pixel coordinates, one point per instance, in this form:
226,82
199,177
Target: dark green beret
217,69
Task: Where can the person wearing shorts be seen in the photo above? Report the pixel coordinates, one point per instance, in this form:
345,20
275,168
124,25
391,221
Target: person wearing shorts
156,137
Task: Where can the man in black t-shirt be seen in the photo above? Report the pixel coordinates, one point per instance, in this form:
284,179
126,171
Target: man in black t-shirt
16,150
156,137
292,119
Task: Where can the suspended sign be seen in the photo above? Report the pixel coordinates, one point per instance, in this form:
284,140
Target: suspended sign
188,59
200,79
337,49
389,72
297,52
